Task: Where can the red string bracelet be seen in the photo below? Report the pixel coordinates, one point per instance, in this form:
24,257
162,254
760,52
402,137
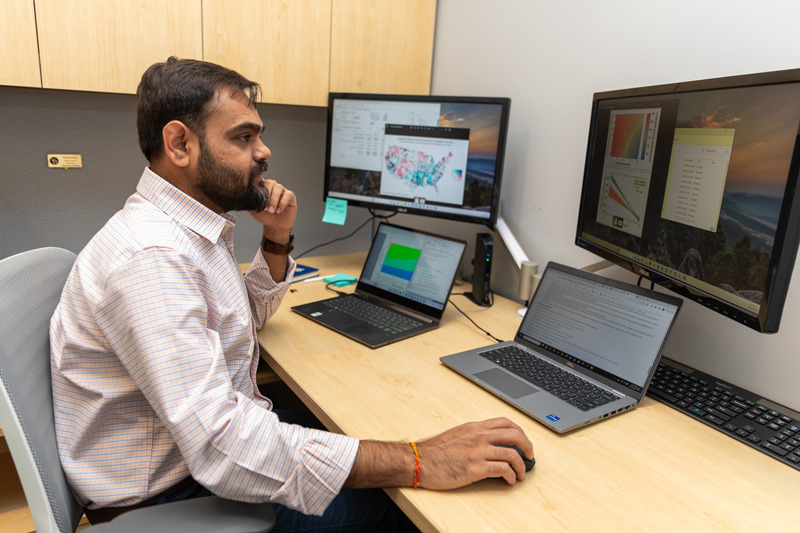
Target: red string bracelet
416,466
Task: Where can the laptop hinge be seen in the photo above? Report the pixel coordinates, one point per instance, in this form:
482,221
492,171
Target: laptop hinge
394,307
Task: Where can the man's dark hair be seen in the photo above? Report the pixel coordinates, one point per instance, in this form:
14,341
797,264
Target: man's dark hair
182,89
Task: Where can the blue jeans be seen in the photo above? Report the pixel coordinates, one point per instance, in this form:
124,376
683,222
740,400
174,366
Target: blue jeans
354,510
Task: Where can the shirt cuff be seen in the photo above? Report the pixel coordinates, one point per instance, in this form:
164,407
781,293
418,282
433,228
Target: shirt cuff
260,267
326,463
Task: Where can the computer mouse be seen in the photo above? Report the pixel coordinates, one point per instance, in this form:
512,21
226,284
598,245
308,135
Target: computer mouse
528,462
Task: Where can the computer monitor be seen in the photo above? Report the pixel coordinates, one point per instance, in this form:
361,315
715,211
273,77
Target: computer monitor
694,186
438,156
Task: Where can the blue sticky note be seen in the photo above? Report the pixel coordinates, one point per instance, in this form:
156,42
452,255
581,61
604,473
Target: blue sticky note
340,280
335,211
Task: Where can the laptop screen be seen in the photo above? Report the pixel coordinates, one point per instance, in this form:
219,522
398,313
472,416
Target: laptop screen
414,265
611,329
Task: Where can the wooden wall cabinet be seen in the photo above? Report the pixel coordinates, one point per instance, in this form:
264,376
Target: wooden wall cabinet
18,43
105,45
382,46
301,49
284,45
297,50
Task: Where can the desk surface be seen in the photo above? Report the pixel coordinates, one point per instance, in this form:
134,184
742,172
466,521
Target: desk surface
652,468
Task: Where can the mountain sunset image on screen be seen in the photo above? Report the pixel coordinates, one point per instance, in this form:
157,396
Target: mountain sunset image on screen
400,261
705,211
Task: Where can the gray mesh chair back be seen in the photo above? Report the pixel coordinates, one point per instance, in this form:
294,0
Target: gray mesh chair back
30,288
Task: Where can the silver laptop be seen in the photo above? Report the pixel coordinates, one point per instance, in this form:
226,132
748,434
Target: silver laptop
402,291
586,349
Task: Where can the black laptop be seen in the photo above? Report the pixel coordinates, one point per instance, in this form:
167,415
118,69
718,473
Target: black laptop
586,349
402,291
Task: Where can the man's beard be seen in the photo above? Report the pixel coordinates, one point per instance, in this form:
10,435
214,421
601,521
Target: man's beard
225,186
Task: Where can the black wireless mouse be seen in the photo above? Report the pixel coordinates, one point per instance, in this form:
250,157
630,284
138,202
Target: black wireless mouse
528,462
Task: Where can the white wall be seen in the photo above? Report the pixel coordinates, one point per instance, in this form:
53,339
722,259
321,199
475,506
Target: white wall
549,57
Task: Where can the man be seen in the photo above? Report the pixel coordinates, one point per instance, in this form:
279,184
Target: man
154,347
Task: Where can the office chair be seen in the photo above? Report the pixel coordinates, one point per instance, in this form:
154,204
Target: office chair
30,288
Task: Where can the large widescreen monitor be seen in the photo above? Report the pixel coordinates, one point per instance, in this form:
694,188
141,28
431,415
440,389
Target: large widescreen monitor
436,156
694,186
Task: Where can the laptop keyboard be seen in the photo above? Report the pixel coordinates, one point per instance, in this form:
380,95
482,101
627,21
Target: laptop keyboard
566,385
389,321
735,411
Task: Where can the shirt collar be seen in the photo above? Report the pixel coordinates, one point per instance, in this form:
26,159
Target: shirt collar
184,209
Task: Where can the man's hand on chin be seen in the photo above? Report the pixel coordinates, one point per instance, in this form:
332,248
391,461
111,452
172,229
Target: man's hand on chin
279,216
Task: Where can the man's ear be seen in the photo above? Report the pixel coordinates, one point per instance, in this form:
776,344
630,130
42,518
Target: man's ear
178,141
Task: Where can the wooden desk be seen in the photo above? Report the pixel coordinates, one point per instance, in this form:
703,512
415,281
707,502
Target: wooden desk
650,469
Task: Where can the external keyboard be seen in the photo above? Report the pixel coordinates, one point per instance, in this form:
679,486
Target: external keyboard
375,315
567,386
739,413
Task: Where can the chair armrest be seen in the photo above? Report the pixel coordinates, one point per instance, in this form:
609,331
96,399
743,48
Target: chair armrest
197,515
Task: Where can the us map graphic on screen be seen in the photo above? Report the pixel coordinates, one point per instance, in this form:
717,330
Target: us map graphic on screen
400,261
425,162
417,168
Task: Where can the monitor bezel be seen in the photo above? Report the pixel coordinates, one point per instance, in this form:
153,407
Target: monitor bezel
505,104
784,252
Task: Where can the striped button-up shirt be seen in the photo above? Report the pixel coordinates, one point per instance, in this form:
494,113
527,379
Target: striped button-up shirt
154,355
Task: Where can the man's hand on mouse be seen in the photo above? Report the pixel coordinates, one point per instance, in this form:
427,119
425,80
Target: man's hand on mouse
470,452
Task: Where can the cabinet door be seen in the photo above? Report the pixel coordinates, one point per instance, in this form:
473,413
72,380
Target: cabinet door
18,43
382,46
106,45
282,44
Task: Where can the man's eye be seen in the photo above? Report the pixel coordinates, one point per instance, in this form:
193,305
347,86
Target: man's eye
244,137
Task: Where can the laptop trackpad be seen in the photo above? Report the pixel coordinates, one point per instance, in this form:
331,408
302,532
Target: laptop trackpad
505,382
345,323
